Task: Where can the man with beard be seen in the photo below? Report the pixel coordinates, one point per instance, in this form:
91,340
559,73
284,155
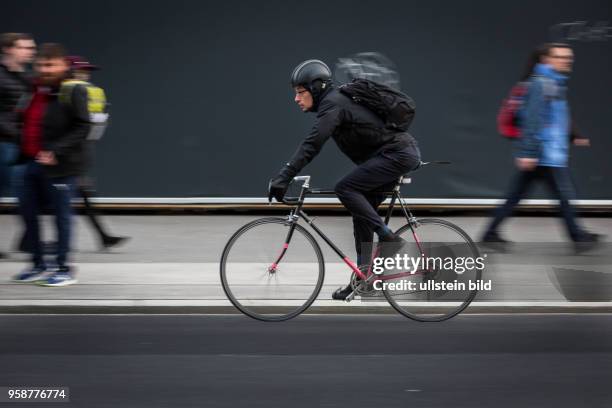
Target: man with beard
52,146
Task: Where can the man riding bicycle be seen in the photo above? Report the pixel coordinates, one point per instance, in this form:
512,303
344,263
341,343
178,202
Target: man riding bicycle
381,154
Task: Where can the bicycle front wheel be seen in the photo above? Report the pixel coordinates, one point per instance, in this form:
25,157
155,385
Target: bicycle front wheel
267,278
441,276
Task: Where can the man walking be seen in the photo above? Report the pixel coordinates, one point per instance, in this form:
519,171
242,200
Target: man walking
17,51
81,70
542,151
52,145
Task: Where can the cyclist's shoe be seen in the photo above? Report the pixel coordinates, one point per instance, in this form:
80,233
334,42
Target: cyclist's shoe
61,277
3,255
30,275
342,293
390,245
587,242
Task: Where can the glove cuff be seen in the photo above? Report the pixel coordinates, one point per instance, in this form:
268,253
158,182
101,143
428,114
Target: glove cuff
288,172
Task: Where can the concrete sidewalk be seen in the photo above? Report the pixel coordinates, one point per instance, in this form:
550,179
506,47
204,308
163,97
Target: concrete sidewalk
171,265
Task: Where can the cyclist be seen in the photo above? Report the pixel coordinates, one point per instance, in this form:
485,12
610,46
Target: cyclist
381,155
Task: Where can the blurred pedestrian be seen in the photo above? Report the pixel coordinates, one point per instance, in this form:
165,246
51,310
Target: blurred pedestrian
542,148
18,50
52,145
81,70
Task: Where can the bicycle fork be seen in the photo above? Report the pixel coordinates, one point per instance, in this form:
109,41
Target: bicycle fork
291,219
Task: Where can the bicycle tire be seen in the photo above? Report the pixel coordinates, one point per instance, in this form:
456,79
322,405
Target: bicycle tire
472,294
249,311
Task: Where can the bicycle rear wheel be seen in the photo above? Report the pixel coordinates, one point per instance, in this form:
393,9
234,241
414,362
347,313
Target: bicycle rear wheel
267,279
442,284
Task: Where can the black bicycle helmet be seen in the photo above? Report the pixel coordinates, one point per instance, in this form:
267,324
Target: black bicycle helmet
309,71
315,76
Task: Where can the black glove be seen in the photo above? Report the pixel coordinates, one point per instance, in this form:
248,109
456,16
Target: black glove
278,185
277,189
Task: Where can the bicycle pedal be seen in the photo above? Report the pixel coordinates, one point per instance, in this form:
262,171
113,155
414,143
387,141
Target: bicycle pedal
350,296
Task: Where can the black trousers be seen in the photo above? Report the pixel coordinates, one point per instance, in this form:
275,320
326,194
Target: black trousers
558,181
359,191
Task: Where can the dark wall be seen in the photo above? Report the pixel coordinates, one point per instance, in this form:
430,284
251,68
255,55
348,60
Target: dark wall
201,104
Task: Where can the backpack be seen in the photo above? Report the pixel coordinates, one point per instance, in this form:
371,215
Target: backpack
97,106
508,120
395,108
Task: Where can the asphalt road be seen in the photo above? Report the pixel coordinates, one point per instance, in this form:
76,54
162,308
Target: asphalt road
315,361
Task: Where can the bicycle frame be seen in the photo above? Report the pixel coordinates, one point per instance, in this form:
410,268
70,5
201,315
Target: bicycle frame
297,212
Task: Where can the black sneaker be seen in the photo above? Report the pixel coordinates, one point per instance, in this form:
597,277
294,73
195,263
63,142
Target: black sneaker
3,255
587,241
494,237
109,241
493,240
342,293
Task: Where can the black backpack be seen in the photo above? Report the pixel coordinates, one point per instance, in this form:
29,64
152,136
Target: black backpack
395,108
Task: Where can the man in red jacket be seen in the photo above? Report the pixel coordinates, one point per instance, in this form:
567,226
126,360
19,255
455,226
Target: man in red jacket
52,146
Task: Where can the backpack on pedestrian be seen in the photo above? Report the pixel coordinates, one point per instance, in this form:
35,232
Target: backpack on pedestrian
508,117
97,105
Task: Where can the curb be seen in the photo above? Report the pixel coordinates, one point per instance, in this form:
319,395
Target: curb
174,307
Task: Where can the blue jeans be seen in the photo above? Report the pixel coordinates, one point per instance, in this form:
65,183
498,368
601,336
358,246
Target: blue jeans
8,156
38,191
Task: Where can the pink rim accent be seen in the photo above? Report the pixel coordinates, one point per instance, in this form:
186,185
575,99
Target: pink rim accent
286,246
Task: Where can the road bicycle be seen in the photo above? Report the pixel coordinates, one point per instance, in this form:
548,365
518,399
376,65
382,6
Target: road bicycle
272,269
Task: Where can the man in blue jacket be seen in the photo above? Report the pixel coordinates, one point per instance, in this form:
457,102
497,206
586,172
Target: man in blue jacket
542,151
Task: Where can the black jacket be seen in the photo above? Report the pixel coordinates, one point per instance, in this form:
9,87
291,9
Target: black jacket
65,128
358,132
13,86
